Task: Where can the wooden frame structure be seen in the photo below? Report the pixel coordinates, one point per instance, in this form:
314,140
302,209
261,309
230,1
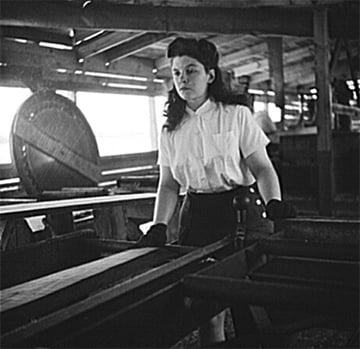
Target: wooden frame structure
298,279
113,42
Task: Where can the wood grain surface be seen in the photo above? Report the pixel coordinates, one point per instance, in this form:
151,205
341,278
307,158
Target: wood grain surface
30,291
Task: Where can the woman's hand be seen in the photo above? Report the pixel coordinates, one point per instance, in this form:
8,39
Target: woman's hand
155,237
276,209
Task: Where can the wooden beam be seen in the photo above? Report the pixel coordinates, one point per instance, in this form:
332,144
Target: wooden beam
224,40
104,42
290,69
132,46
33,290
300,77
323,120
36,35
24,77
290,295
34,56
49,78
111,16
276,68
292,56
246,53
251,68
300,70
115,291
53,206
257,3
128,161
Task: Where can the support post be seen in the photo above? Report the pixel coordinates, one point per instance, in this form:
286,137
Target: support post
277,73
153,121
323,120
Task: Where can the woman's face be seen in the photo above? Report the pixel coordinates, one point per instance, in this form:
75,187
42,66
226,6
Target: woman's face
191,80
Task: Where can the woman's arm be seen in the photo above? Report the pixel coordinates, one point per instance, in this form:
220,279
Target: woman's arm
167,196
266,177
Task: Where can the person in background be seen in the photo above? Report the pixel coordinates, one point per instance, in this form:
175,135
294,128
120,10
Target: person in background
213,149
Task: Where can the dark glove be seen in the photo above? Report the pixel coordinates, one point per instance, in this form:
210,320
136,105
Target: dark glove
155,237
276,209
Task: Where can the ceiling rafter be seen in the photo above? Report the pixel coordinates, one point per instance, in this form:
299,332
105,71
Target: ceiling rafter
241,3
110,31
105,42
112,16
31,56
244,54
289,70
132,46
263,64
37,35
221,41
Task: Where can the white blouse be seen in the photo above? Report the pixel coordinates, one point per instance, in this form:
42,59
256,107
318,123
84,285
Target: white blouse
206,152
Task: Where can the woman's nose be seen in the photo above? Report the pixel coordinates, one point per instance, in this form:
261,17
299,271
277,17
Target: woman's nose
183,77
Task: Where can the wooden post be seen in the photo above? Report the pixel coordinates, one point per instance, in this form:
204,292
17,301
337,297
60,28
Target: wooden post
277,72
323,120
153,122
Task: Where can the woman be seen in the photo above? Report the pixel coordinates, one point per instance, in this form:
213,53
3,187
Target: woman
215,151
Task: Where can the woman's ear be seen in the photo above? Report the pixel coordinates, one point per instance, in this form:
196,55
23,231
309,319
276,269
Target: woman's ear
212,76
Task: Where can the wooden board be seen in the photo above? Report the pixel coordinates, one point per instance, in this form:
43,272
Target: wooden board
43,207
48,314
30,291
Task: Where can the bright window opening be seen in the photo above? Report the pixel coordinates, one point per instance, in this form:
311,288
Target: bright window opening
11,100
121,123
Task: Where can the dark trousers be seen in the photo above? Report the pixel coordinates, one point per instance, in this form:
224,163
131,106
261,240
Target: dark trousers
206,218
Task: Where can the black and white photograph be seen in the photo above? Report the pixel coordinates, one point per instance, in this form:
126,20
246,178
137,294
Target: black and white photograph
180,174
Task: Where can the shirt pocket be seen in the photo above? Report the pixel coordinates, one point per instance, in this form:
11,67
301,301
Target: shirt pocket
222,145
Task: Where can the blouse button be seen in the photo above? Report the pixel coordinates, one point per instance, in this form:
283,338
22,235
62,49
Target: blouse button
263,215
258,202
252,190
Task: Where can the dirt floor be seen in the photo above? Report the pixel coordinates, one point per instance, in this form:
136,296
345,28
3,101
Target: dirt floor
314,338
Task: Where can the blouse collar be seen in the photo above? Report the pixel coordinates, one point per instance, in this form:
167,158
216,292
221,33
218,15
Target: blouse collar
208,105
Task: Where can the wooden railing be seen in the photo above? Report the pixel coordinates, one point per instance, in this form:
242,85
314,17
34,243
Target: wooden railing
112,168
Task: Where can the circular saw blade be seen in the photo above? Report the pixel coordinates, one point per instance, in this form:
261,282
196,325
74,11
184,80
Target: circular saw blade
52,145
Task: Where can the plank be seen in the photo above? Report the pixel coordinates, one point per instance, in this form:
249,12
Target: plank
327,273
331,300
307,249
30,291
105,295
128,161
42,207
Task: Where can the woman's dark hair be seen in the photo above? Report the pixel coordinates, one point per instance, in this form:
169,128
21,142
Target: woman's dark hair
206,53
